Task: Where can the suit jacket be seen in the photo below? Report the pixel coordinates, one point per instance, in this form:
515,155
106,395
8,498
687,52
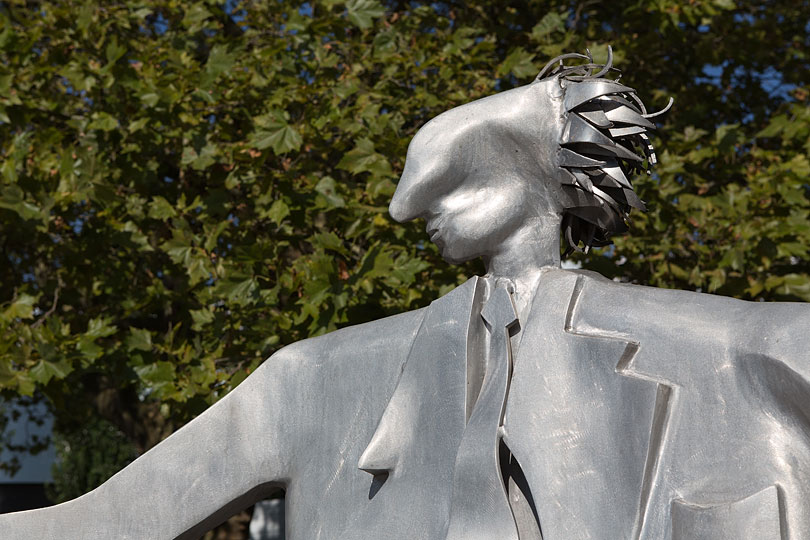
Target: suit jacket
657,414
634,412
638,412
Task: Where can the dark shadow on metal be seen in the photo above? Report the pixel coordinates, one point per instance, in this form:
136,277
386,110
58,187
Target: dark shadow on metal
263,491
513,478
377,484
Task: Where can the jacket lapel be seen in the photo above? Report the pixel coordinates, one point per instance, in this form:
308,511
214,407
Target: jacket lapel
417,438
584,434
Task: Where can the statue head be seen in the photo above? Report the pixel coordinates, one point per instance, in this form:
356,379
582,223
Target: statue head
518,165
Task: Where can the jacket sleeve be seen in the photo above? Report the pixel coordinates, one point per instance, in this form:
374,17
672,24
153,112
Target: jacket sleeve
256,439
187,483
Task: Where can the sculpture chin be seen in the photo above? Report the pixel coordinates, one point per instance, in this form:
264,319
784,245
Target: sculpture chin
449,256
444,251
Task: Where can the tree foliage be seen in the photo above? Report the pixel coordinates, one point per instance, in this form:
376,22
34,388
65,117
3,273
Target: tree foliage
104,450
187,186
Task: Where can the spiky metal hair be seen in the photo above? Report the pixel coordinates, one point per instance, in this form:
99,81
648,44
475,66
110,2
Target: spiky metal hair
602,144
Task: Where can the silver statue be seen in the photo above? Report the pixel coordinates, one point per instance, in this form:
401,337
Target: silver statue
529,403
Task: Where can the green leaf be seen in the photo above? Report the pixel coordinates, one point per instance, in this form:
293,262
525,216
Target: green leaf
195,16
137,236
201,318
204,95
103,121
219,61
724,4
198,267
161,209
202,159
114,51
89,349
150,99
795,285
326,187
139,340
277,212
346,88
363,12
551,22
275,133
85,16
99,327
212,234
13,198
329,240
141,13
777,124
734,258
519,63
364,158
690,133
727,136
237,290
799,165
157,374
44,371
22,307
179,250
137,125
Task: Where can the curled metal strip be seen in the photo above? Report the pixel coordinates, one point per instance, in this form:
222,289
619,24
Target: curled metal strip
596,117
560,58
583,180
617,174
578,130
624,196
610,152
620,100
608,64
580,78
579,92
634,200
626,131
590,62
569,158
603,181
571,74
608,199
569,179
640,103
662,111
625,115
598,212
572,245
649,149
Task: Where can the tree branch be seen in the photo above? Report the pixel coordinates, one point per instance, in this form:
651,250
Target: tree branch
50,311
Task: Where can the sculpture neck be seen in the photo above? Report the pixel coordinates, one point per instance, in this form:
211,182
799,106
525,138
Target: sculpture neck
524,254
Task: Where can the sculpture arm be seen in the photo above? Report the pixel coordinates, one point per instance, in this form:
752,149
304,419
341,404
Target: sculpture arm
297,417
234,453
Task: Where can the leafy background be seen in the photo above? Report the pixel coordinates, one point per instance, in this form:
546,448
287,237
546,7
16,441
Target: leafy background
185,187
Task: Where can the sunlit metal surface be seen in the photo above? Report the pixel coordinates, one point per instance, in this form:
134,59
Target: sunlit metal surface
531,401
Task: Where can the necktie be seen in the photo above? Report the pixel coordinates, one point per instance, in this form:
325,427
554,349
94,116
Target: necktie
480,508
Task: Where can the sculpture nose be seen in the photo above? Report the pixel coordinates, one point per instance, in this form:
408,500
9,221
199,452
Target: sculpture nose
397,210
377,457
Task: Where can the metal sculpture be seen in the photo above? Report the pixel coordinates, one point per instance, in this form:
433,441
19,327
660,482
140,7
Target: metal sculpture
531,403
